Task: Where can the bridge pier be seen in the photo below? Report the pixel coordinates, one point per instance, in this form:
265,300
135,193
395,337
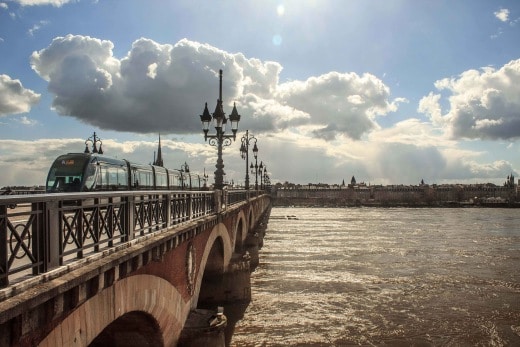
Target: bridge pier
203,328
230,290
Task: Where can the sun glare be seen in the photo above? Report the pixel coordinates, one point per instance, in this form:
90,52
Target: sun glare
280,10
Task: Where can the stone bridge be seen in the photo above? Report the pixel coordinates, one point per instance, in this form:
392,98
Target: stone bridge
125,268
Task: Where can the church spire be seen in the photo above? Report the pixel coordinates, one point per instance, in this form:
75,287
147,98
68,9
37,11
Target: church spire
159,161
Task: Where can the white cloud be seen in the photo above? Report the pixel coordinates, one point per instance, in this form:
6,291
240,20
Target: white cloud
27,121
36,27
502,14
412,132
339,103
14,98
163,87
55,3
329,120
483,104
24,162
3,6
430,106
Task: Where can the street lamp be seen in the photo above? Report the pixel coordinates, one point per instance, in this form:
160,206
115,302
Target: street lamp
263,173
220,139
244,151
184,178
256,168
267,181
205,178
94,140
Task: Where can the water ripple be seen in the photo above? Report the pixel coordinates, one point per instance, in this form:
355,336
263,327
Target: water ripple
392,277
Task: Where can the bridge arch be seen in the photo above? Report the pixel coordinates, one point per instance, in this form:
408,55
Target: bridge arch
218,251
149,298
240,233
251,219
134,328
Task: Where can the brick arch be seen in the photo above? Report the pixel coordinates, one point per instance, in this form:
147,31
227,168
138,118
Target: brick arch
251,218
136,328
146,293
240,231
219,233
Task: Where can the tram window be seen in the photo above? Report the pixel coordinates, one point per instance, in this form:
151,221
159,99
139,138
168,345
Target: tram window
90,176
112,178
102,179
160,179
64,183
175,181
145,179
142,179
122,177
63,176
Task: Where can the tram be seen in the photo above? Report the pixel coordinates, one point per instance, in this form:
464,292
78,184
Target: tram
88,172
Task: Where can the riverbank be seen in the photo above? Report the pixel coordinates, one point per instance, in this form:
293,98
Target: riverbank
321,202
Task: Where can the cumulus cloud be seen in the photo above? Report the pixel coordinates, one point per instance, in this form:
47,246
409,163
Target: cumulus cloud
483,104
341,103
163,87
502,14
412,132
430,105
14,98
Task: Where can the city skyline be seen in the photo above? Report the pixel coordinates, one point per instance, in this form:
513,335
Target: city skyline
391,92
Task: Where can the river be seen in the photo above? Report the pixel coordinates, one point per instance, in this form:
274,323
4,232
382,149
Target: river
392,277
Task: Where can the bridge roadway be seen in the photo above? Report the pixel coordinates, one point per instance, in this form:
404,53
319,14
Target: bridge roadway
111,268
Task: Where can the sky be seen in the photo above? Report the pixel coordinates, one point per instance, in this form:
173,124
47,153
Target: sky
387,91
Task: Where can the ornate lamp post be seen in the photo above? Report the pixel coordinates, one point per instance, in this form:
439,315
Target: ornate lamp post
244,151
185,169
256,168
267,181
94,140
263,173
220,139
205,178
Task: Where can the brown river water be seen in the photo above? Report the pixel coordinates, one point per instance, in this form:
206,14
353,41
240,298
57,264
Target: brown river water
386,277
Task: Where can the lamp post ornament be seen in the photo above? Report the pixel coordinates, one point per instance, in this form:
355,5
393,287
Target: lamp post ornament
244,151
220,138
94,140
254,168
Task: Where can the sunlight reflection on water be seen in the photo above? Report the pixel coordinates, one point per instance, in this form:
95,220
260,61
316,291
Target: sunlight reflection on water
386,277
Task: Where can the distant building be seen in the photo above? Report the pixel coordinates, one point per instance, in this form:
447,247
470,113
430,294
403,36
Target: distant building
510,181
422,194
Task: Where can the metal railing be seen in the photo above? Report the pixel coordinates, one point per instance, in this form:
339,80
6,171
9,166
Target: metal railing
41,232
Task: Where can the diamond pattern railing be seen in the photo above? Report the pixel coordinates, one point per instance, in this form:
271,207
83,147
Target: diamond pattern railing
41,232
